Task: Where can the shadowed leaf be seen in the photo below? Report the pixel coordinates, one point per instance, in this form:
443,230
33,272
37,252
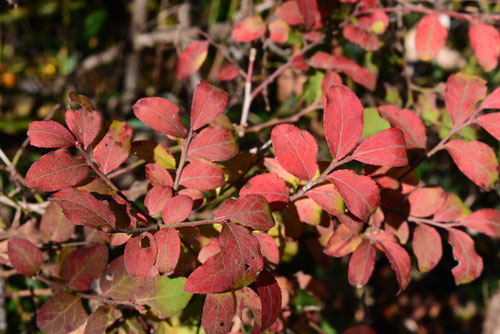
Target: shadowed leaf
61,314
25,257
114,148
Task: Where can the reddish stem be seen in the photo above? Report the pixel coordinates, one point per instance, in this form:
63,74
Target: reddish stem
184,156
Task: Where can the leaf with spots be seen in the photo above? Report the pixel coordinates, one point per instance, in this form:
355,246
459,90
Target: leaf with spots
470,264
343,120
80,267
360,193
161,115
476,160
116,283
249,210
25,257
140,254
56,170
81,208
61,314
240,253
296,150
218,313
49,134
165,296
114,148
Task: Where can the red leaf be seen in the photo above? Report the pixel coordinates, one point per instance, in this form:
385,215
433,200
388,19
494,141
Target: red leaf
208,102
470,264
491,123
296,150
430,37
343,120
407,121
82,266
427,247
85,124
360,193
116,282
240,253
156,198
249,210
358,74
486,221
268,247
357,35
343,242
207,251
177,209
290,13
81,208
279,31
331,78
361,264
308,211
197,196
202,175
271,187
25,257
114,148
49,134
228,71
385,148
270,298
376,22
140,254
309,11
476,160
191,59
54,226
453,209
485,40
61,314
328,198
169,250
492,101
461,95
218,312
426,201
101,318
400,261
214,144
158,176
275,167
161,115
82,100
210,277
251,28
56,170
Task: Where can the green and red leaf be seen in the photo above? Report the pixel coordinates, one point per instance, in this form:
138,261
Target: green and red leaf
191,59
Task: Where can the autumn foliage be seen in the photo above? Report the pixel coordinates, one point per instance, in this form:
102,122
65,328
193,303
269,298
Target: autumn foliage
217,215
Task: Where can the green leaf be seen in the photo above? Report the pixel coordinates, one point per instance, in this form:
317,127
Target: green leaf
373,122
164,295
312,89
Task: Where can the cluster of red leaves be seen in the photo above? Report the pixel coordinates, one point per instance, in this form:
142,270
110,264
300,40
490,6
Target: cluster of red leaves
379,207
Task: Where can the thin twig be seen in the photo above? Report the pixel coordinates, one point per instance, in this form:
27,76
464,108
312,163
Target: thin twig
183,159
248,89
446,226
161,226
